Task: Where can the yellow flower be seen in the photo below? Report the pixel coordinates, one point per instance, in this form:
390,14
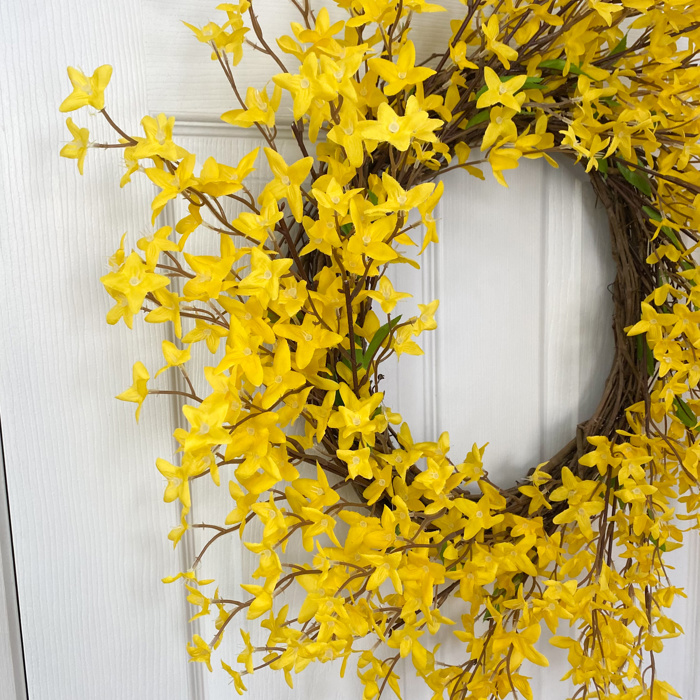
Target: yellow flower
651,323
501,128
387,296
348,135
138,391
263,281
134,281
307,86
359,462
171,184
309,336
260,108
502,159
502,91
401,74
78,147
174,356
87,91
505,53
200,651
357,417
206,421
262,600
153,243
426,211
479,516
399,131
287,181
279,378
426,321
158,141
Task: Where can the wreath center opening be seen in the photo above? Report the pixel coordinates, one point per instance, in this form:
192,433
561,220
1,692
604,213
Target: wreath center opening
524,341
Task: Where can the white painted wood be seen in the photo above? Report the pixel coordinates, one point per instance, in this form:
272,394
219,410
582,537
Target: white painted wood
89,527
182,79
89,532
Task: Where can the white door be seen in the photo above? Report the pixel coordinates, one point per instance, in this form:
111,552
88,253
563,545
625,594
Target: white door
520,356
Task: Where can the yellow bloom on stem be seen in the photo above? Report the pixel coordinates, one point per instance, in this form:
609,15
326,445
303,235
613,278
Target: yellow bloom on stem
401,74
279,378
309,336
398,199
173,356
386,566
78,147
199,651
502,91
206,421
134,281
348,135
138,391
168,309
260,108
307,86
153,243
425,209
386,295
400,130
211,333
501,128
356,417
502,159
426,321
359,462
171,184
505,53
237,679
651,323
263,281
158,141
178,487
287,181
87,91
262,601
522,645
478,514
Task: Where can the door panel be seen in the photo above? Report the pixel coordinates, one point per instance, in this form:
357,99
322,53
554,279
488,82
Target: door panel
519,357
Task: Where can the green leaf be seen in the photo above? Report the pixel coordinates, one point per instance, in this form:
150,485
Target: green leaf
636,178
668,232
684,414
372,197
655,542
652,213
559,64
346,229
479,118
620,47
644,351
603,166
359,358
377,340
533,83
610,101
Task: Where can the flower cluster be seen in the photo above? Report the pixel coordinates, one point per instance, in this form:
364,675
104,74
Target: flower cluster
296,311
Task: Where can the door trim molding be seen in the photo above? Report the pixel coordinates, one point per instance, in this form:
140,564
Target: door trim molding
13,674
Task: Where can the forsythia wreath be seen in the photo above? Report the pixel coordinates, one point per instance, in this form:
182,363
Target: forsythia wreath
296,309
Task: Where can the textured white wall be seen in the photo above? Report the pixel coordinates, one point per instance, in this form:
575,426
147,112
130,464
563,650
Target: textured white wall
524,331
